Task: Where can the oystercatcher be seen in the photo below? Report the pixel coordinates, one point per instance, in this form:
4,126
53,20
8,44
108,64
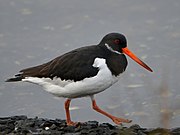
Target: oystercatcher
83,72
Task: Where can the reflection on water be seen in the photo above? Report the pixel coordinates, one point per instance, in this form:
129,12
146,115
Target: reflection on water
33,32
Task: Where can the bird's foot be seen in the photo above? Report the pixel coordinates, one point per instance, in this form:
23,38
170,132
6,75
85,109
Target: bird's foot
120,120
71,123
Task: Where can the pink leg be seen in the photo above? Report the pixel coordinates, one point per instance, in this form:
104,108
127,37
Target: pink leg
68,117
114,119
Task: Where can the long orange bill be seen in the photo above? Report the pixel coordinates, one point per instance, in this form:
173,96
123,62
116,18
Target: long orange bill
135,58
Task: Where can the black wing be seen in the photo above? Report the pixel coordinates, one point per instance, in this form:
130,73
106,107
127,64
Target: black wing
75,65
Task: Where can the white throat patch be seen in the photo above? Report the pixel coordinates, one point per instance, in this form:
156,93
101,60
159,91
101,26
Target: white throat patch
108,47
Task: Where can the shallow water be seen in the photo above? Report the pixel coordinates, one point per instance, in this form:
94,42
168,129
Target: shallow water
34,32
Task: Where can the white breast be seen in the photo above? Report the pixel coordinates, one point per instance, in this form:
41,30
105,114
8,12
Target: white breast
85,87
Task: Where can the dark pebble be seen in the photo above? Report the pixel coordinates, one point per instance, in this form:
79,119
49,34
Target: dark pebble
37,126
135,127
46,124
21,117
175,131
140,132
53,127
107,125
70,129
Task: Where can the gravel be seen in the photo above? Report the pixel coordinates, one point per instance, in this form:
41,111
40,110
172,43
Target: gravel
36,126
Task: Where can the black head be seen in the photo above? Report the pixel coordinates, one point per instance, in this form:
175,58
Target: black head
117,43
114,41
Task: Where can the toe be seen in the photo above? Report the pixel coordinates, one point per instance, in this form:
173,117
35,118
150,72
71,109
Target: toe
120,120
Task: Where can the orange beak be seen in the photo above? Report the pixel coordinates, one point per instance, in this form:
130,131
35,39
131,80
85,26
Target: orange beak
135,58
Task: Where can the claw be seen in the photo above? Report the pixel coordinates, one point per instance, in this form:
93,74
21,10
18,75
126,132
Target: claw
120,120
71,123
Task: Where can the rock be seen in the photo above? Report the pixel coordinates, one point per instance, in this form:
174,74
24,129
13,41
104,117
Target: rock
175,131
23,125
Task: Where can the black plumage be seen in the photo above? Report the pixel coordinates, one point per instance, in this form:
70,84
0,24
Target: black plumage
75,65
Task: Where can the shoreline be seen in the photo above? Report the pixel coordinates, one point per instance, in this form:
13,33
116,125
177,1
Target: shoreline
23,125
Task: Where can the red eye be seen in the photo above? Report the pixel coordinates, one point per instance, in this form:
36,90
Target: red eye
117,41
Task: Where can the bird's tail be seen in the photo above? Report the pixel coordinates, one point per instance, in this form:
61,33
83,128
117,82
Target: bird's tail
37,71
17,77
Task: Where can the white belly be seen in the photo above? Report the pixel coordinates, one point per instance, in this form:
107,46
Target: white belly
85,87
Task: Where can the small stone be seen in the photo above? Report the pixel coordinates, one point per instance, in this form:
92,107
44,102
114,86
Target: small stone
158,131
46,124
3,127
46,128
113,133
107,125
53,127
60,122
92,123
69,129
84,131
19,123
44,132
39,122
21,117
92,133
30,124
72,134
135,127
175,131
140,133
127,131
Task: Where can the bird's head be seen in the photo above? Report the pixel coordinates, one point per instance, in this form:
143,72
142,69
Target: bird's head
117,43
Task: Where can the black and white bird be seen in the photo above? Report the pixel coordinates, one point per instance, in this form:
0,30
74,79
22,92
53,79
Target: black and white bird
83,72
